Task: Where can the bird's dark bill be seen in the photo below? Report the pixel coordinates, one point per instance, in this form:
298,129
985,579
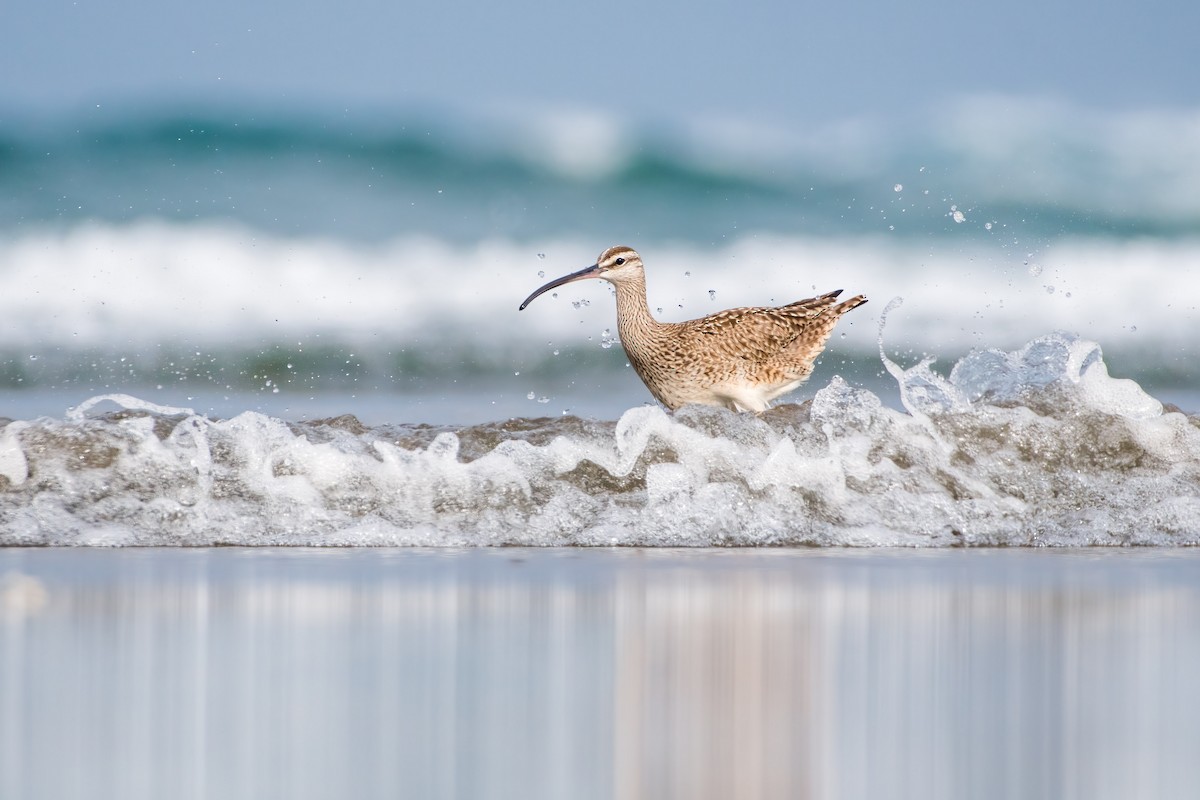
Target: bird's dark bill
589,272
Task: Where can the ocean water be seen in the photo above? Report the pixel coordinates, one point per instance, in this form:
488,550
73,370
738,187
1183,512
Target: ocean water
246,326
359,527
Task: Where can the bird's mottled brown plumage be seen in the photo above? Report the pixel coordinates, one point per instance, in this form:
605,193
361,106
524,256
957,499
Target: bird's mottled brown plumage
741,358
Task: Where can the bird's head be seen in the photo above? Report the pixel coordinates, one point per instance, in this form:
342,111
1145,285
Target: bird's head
616,264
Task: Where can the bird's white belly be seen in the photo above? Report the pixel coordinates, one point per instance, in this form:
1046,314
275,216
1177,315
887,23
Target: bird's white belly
738,395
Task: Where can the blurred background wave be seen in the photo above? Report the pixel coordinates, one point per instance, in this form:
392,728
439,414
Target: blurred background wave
296,199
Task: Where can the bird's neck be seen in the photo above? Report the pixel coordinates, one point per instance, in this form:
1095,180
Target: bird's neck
635,325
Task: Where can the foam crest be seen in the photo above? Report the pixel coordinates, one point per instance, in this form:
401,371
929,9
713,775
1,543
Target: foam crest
1057,359
165,291
1038,446
14,467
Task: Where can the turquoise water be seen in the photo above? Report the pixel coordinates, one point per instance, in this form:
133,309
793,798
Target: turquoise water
452,176
229,249
310,323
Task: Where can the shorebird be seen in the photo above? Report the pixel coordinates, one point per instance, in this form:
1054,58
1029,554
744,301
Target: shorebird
741,358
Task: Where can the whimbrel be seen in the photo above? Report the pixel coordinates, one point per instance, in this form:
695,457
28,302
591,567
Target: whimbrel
742,358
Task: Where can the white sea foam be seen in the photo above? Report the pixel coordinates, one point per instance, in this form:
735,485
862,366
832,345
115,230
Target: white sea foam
575,143
1037,446
216,285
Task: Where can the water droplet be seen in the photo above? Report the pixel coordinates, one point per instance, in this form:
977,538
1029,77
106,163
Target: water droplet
543,400
541,256
517,373
712,294
531,395
556,352
957,215
987,226
1133,328
1034,269
687,274
541,273
899,187
1050,289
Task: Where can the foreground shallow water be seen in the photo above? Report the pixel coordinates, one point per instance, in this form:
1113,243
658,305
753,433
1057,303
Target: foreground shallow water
531,673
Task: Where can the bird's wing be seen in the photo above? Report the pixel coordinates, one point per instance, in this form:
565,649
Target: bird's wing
759,334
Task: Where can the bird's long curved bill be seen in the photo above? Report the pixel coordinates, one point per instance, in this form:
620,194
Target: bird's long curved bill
588,272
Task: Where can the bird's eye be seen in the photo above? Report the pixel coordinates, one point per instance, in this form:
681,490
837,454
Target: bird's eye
619,261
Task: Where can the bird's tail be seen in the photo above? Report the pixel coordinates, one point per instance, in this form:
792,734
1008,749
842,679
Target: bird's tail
849,305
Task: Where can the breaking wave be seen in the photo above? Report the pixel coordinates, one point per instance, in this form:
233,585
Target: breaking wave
1042,171
1039,446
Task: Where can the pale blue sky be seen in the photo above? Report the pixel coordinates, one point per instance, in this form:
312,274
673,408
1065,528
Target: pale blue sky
774,61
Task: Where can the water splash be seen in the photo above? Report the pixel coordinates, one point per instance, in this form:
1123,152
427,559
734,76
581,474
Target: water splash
1038,446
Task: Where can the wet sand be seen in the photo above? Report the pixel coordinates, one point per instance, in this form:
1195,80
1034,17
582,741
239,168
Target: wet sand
259,673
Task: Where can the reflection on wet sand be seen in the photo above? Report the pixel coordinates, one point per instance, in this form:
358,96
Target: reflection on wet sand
566,673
